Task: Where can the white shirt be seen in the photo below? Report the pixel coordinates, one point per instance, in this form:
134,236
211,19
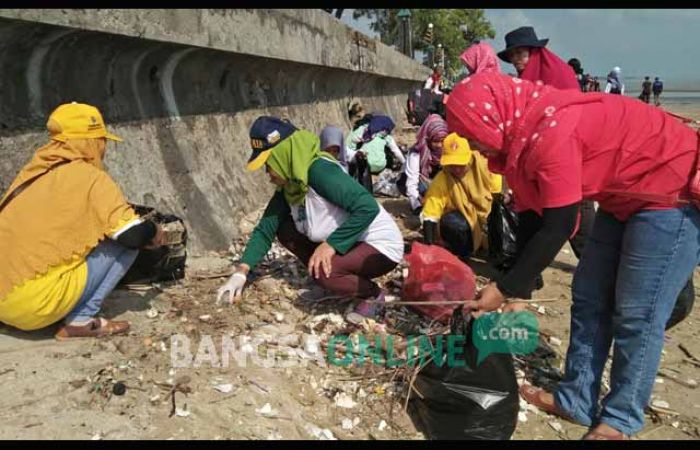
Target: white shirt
412,171
322,218
429,85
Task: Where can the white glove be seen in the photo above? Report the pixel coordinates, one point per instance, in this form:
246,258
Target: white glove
234,287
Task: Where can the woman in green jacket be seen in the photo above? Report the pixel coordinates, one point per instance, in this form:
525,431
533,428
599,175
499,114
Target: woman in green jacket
321,215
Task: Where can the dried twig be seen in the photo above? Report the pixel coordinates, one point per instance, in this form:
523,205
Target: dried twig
687,352
692,361
179,386
329,297
665,411
209,277
678,380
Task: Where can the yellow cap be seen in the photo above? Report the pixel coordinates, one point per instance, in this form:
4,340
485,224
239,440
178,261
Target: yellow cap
455,151
78,121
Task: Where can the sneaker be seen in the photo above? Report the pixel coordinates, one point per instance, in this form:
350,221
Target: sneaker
366,310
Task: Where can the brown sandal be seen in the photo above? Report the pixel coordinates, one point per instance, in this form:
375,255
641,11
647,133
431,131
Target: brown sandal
594,435
532,394
94,328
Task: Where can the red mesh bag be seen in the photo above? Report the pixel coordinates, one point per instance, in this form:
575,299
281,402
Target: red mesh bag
435,274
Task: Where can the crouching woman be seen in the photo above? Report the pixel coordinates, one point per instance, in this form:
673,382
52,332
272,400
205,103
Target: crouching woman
66,232
321,215
458,201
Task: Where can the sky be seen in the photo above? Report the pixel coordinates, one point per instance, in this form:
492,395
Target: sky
653,42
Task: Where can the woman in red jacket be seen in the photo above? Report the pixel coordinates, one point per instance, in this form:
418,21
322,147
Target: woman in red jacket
557,148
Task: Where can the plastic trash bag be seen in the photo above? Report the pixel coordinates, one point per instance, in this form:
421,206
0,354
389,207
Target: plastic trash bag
165,263
435,274
502,227
387,184
470,402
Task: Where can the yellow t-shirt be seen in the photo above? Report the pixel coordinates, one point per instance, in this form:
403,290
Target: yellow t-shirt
46,299
438,201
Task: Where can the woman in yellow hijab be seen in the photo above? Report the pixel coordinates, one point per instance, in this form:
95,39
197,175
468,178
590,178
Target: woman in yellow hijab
458,200
67,233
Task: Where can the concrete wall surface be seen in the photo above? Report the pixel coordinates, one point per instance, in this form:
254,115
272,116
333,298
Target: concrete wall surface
182,88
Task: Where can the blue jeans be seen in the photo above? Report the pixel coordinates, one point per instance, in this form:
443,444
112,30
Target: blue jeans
624,290
107,264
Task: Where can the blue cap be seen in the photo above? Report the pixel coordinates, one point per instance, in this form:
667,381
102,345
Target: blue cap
265,133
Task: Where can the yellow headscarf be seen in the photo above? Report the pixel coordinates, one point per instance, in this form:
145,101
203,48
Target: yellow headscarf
63,214
473,193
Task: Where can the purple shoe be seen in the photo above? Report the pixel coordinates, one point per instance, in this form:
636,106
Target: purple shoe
366,310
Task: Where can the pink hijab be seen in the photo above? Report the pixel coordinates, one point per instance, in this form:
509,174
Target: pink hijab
546,66
509,114
480,58
434,128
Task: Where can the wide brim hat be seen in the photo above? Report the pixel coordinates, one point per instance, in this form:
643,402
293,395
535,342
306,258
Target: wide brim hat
521,37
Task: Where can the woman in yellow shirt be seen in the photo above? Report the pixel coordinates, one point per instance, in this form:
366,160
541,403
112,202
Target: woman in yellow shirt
458,200
67,233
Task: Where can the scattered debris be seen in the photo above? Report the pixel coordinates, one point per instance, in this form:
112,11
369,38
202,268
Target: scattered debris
347,424
182,412
660,404
322,434
224,388
267,411
152,313
382,425
343,400
556,426
119,388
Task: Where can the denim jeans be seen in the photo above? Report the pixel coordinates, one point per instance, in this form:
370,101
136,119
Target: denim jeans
107,264
624,290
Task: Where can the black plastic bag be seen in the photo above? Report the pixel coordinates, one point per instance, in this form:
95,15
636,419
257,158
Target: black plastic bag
166,263
477,402
502,227
359,170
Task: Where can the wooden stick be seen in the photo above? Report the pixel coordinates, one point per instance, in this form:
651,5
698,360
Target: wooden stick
692,361
685,350
459,302
678,380
666,411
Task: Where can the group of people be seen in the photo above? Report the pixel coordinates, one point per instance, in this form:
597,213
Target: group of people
535,138
649,88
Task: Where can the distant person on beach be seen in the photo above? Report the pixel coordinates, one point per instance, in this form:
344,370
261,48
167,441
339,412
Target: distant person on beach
657,88
646,90
615,84
596,85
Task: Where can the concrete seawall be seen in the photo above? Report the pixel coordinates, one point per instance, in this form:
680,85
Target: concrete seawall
182,88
